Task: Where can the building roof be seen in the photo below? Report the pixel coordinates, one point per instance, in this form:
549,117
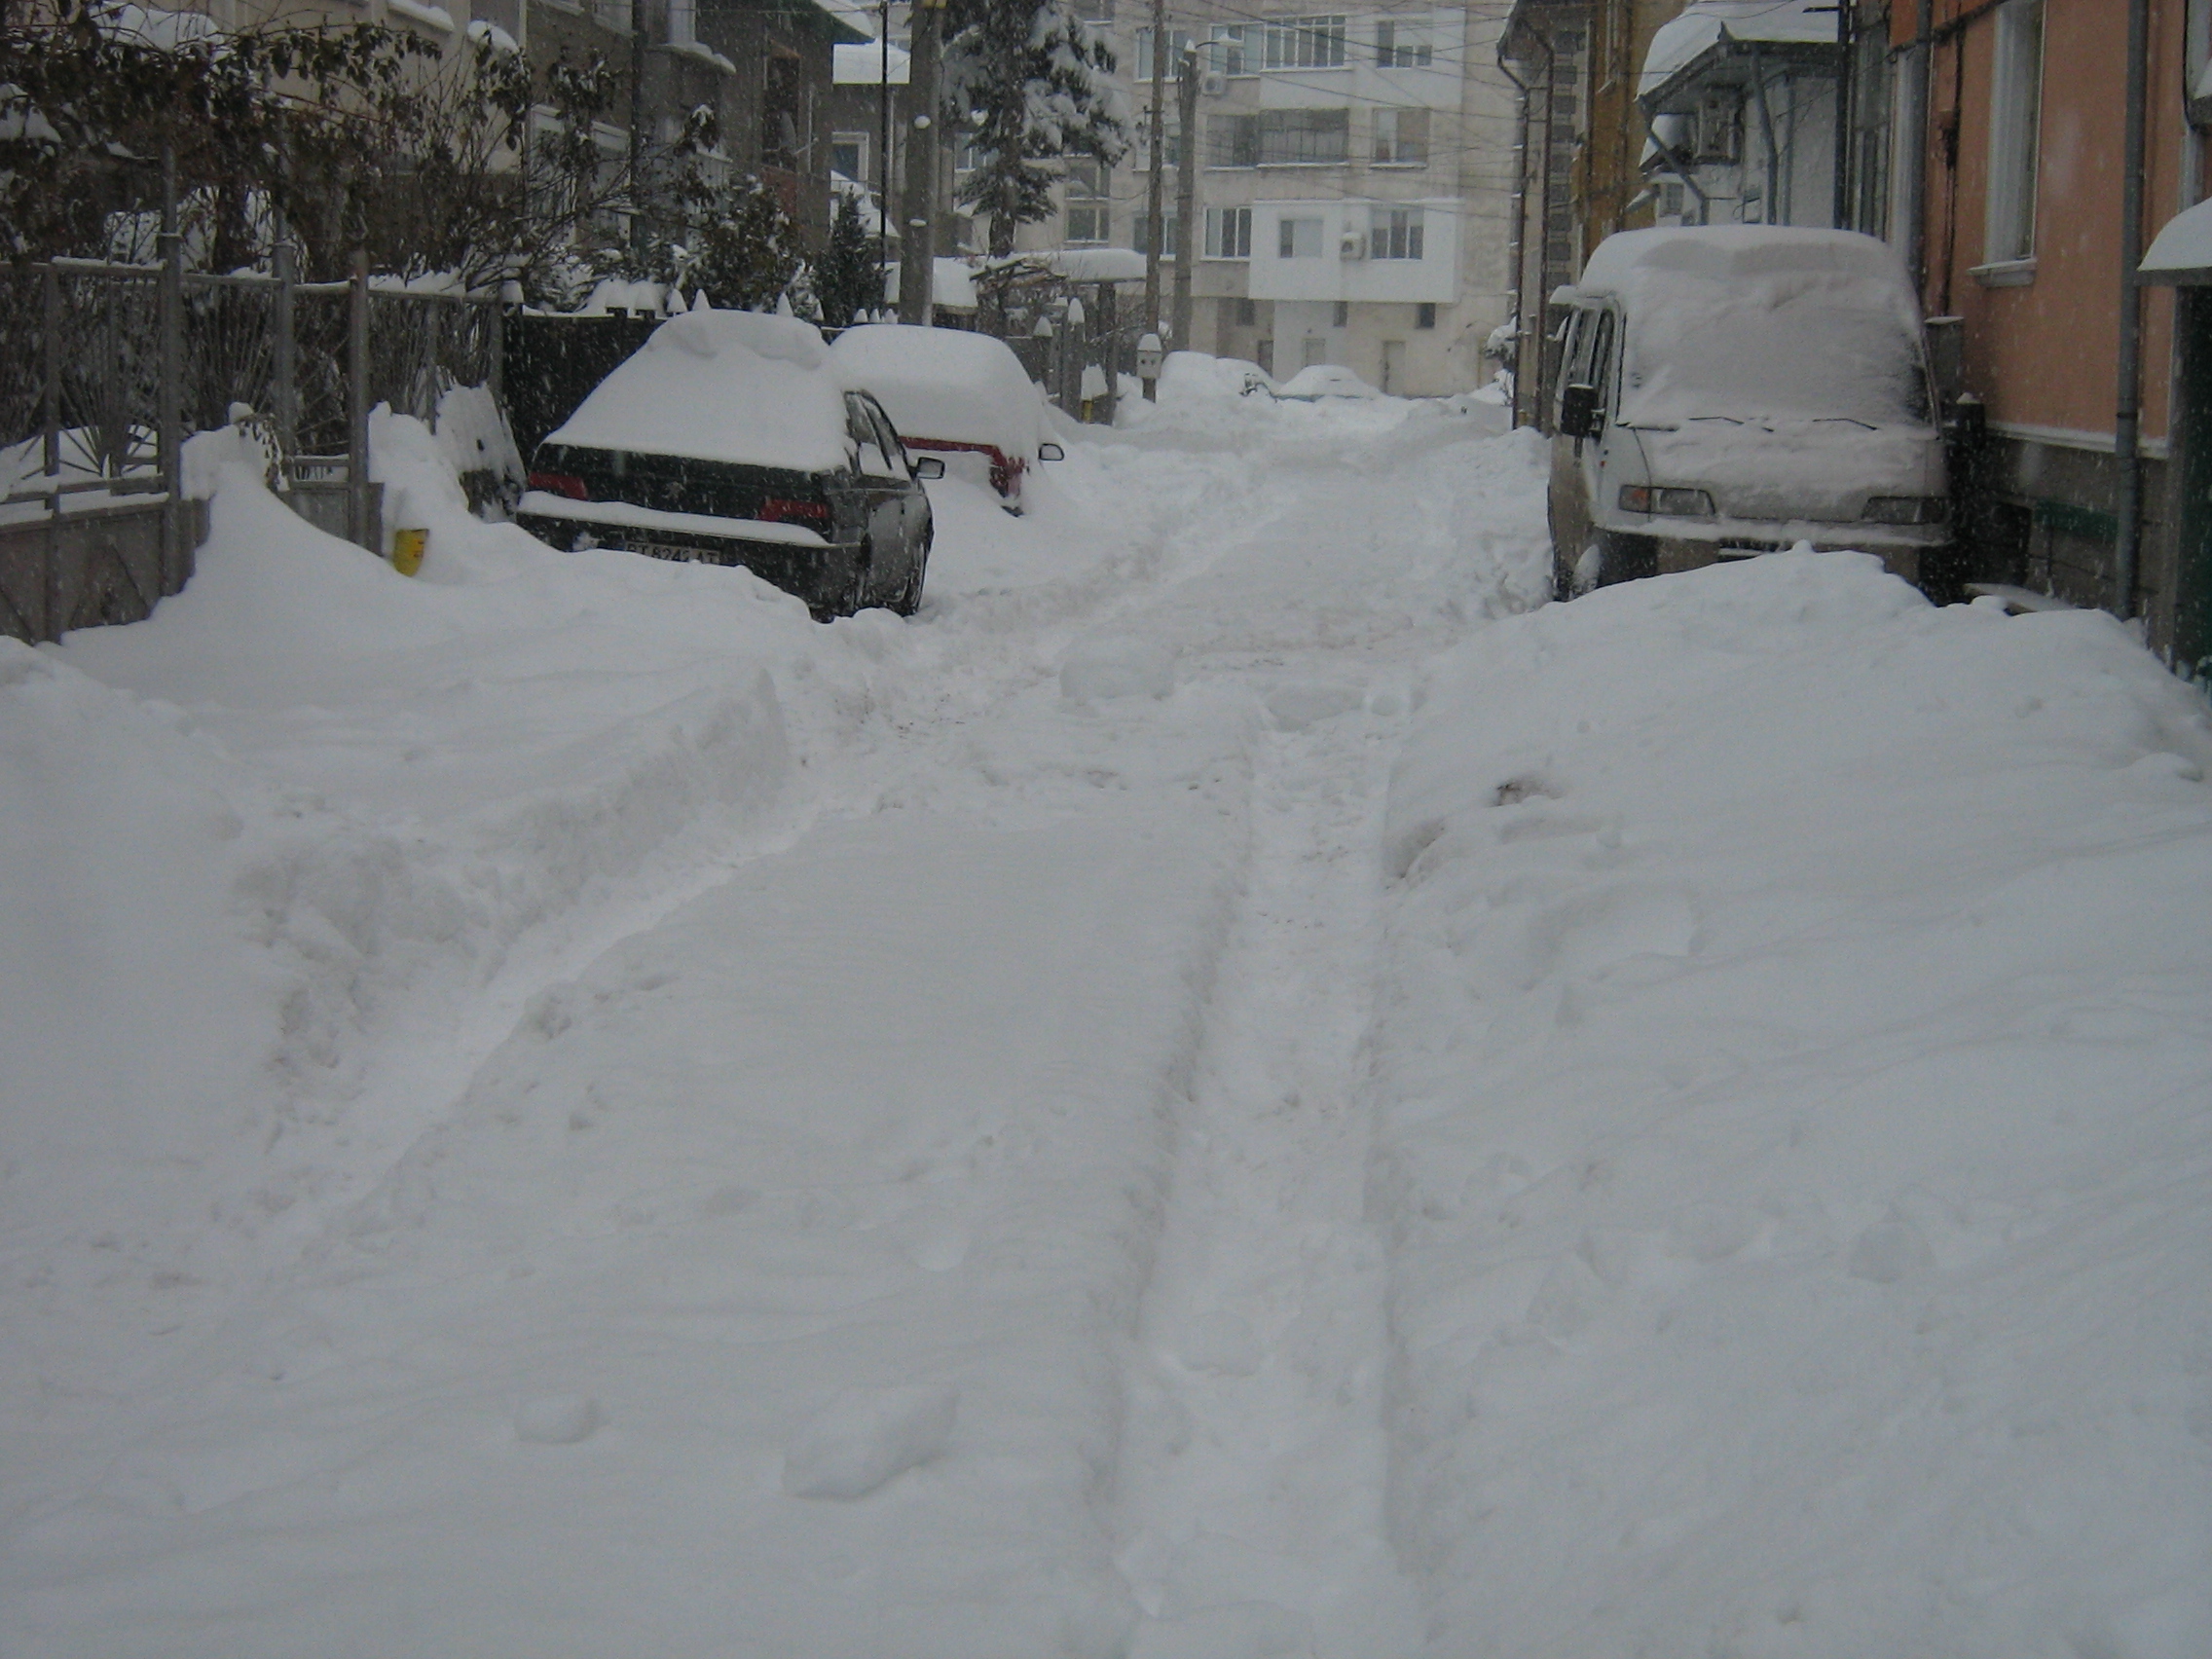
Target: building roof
1707,25
861,65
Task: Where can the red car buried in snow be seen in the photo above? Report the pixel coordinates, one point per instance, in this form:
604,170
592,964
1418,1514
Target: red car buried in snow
949,391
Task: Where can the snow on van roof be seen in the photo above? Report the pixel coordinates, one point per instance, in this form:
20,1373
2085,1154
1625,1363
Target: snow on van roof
721,386
1737,321
943,383
1704,24
2183,246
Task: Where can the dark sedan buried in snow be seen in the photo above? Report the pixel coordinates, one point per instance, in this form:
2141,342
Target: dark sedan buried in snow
728,439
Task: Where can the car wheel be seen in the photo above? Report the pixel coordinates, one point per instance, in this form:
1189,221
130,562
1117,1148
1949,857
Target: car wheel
909,597
1610,556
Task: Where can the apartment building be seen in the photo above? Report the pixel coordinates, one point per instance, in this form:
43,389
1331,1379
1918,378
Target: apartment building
1353,178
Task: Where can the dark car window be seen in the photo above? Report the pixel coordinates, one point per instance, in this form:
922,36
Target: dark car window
860,426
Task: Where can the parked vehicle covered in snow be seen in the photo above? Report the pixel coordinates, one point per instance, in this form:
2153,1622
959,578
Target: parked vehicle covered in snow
955,394
1317,381
729,438
1728,391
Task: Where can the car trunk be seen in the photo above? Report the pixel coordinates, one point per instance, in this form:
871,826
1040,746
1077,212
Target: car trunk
679,484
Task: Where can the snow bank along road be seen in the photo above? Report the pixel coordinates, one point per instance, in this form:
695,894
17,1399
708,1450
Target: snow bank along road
1235,1089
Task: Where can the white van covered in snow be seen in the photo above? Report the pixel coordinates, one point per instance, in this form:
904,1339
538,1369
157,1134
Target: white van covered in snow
1734,389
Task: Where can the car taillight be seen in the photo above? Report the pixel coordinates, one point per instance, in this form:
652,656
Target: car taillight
560,484
781,509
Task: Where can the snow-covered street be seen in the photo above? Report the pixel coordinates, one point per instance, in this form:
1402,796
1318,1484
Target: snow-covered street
1238,1087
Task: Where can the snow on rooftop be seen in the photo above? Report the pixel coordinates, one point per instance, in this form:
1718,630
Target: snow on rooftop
1704,24
2184,244
947,384
862,65
721,386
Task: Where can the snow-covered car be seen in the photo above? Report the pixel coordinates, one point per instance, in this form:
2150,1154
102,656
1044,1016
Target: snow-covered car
1729,390
729,438
954,394
1317,381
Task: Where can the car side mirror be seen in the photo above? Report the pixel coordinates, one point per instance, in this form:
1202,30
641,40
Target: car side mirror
928,467
1579,416
1051,452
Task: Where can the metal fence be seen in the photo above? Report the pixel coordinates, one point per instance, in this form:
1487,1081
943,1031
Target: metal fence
106,368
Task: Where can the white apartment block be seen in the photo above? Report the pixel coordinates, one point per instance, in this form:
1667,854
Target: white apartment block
1354,185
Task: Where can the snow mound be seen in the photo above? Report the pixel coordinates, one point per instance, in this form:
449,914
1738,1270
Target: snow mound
1795,1031
1101,670
866,1437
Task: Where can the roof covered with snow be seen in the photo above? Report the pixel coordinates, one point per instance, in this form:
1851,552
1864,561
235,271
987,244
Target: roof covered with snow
1740,321
721,386
948,383
1705,23
2184,247
861,65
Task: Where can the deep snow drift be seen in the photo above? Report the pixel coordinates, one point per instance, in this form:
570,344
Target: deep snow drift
1230,1089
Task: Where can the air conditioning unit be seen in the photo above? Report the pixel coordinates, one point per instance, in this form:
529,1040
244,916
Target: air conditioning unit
1214,84
1353,244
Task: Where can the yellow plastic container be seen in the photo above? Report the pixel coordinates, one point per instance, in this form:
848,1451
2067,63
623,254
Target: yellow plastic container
407,549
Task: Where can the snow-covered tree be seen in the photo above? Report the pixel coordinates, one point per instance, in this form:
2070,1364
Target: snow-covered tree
1022,79
848,278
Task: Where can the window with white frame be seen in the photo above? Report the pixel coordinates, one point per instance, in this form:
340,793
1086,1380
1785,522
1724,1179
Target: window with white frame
682,21
1401,138
1083,185
1178,40
1304,138
1088,221
1234,48
1233,142
1394,232
1306,43
1170,243
848,155
2014,132
1297,237
1403,43
1229,233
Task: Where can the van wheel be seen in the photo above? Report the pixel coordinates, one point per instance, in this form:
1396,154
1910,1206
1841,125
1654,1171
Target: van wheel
1614,557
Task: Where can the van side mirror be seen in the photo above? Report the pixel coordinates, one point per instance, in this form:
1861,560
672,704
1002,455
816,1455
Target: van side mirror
928,467
1051,452
1578,415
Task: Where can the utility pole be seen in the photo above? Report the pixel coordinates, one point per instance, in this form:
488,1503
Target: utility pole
637,126
1154,205
1186,190
917,262
882,144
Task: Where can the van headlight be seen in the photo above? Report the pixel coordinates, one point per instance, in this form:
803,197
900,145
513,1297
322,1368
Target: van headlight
1906,509
1665,500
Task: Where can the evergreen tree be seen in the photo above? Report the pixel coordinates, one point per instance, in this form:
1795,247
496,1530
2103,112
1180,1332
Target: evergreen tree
849,276
744,249
1021,78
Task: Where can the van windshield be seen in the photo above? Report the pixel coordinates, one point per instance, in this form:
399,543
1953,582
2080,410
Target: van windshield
1794,346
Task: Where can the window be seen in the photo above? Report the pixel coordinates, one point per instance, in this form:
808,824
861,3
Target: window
783,98
612,15
1141,235
1395,232
1229,233
2015,116
1171,142
1401,138
1424,315
848,154
1177,41
1343,316
964,158
1247,314
1234,48
1402,43
1306,43
1297,239
1304,138
682,21
1233,142
1085,179
1088,221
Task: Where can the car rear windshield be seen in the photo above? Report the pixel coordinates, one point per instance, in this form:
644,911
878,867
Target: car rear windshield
674,482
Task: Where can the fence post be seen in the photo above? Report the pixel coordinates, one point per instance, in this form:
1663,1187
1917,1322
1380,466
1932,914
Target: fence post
357,404
283,366
176,556
50,296
494,314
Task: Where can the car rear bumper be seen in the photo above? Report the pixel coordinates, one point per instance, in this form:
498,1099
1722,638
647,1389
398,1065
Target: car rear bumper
828,577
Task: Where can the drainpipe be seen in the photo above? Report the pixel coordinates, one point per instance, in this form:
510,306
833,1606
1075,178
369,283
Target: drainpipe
2127,553
1520,233
1915,204
1766,132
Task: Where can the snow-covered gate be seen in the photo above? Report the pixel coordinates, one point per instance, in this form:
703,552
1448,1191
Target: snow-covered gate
105,369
